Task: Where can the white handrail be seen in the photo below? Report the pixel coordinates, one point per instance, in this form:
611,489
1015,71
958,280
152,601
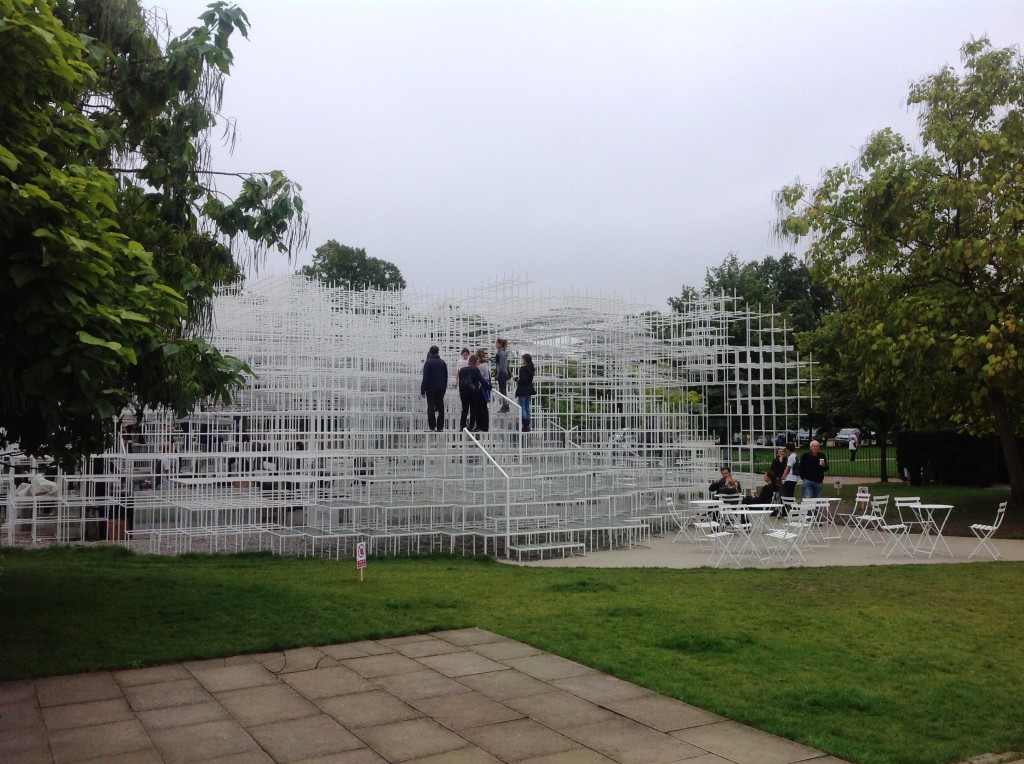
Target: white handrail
508,487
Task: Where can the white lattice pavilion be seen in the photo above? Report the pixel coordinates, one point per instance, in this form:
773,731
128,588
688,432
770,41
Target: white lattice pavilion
327,446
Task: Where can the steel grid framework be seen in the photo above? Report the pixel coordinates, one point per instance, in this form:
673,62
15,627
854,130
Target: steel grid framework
328,445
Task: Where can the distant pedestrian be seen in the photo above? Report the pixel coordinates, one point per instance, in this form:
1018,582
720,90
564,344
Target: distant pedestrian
470,383
501,371
791,474
525,390
433,386
854,444
464,396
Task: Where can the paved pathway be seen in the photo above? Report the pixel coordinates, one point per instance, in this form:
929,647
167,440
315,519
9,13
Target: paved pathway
453,697
664,552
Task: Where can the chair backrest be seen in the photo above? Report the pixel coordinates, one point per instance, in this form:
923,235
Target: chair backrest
999,516
878,505
789,502
729,498
905,508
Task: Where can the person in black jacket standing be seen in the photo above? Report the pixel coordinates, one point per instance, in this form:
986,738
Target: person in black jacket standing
433,386
813,466
524,389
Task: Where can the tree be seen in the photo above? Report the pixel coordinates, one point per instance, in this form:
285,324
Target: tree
784,283
335,263
925,249
112,234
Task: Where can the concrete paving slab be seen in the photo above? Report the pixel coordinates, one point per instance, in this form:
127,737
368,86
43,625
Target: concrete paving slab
504,649
357,756
328,682
462,756
178,692
630,742
202,742
464,710
575,756
503,685
98,741
305,738
234,677
559,709
424,647
411,739
519,739
290,661
662,713
15,716
207,710
546,667
420,684
77,688
600,688
93,712
745,745
29,743
268,703
534,707
17,691
461,663
382,665
151,675
367,709
467,637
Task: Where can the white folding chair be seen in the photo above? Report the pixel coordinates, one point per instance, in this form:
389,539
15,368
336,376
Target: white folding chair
870,520
898,533
788,542
681,519
725,545
984,533
788,502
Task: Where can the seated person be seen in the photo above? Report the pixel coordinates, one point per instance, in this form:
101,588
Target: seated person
726,485
768,491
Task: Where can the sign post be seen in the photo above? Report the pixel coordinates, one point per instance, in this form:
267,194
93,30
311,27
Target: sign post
361,558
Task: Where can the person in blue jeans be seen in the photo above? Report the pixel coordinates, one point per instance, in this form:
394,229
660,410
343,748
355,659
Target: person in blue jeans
524,389
813,466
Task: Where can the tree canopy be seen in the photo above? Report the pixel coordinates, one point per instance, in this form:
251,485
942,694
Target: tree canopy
924,248
783,282
338,264
112,231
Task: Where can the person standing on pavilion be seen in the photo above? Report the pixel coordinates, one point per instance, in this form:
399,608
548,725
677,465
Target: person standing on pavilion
433,387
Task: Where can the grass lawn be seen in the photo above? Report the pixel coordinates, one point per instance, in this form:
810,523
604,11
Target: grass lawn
876,664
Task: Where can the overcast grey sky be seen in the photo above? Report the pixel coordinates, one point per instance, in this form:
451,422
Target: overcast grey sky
616,148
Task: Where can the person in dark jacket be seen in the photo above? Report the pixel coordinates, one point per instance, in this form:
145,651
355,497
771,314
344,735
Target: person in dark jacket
470,382
433,386
524,389
813,466
778,466
501,371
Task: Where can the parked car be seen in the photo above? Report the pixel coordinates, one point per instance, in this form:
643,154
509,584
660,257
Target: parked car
842,437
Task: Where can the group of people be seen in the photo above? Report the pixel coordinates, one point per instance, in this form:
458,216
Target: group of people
781,478
473,381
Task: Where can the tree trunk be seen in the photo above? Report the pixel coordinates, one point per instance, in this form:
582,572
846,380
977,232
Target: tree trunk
883,443
1011,450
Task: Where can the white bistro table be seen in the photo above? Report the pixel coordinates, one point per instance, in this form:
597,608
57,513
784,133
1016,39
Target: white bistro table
933,520
748,522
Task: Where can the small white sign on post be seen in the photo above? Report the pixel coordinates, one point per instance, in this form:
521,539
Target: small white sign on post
361,558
